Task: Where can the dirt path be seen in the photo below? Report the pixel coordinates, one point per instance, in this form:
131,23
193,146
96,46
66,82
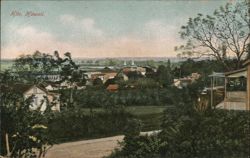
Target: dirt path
94,148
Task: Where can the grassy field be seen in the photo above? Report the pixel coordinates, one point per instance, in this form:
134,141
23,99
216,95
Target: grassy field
5,64
150,116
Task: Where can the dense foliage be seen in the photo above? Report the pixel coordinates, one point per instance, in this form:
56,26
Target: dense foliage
212,133
222,134
203,67
34,68
32,133
92,125
102,98
189,131
24,133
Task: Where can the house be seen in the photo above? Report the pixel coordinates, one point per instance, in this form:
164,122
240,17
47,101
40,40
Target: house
80,86
52,76
237,89
247,64
185,81
122,76
113,87
182,82
140,70
99,75
50,86
195,76
104,74
39,96
90,73
108,74
89,82
150,72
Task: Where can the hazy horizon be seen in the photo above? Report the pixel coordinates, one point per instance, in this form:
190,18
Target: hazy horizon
97,29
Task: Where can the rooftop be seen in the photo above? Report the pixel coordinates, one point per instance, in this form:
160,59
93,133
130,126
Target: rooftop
19,87
247,62
237,73
113,87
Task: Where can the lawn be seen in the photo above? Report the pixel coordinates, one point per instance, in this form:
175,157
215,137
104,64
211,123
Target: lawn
150,116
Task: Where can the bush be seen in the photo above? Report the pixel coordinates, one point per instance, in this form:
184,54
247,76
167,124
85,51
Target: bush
74,124
139,147
126,97
189,133
213,133
26,130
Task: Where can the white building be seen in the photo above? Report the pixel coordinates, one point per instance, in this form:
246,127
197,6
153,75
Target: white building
41,96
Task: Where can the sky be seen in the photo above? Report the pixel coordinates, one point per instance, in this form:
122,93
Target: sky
98,29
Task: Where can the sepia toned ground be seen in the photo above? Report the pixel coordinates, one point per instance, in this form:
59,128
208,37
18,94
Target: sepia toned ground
95,148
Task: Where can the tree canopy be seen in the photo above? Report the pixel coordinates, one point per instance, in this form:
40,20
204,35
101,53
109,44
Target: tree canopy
43,63
221,35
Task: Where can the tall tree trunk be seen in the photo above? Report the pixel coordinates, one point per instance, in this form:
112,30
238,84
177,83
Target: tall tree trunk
238,62
7,144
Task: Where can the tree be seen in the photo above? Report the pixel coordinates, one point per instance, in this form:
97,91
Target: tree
30,67
24,131
110,81
97,82
223,34
248,51
111,62
164,75
69,72
188,131
134,75
150,73
42,64
68,69
150,63
37,62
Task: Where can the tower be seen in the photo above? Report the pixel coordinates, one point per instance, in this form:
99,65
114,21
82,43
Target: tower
132,63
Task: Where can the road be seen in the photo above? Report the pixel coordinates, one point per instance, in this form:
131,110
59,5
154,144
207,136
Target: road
94,148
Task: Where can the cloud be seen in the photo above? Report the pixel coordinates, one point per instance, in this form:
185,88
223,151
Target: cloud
29,39
87,26
66,19
155,39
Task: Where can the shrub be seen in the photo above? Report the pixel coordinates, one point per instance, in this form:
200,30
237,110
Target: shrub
212,133
25,130
74,124
190,133
126,97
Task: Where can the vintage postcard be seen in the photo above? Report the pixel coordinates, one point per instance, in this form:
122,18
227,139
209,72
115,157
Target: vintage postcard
125,79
